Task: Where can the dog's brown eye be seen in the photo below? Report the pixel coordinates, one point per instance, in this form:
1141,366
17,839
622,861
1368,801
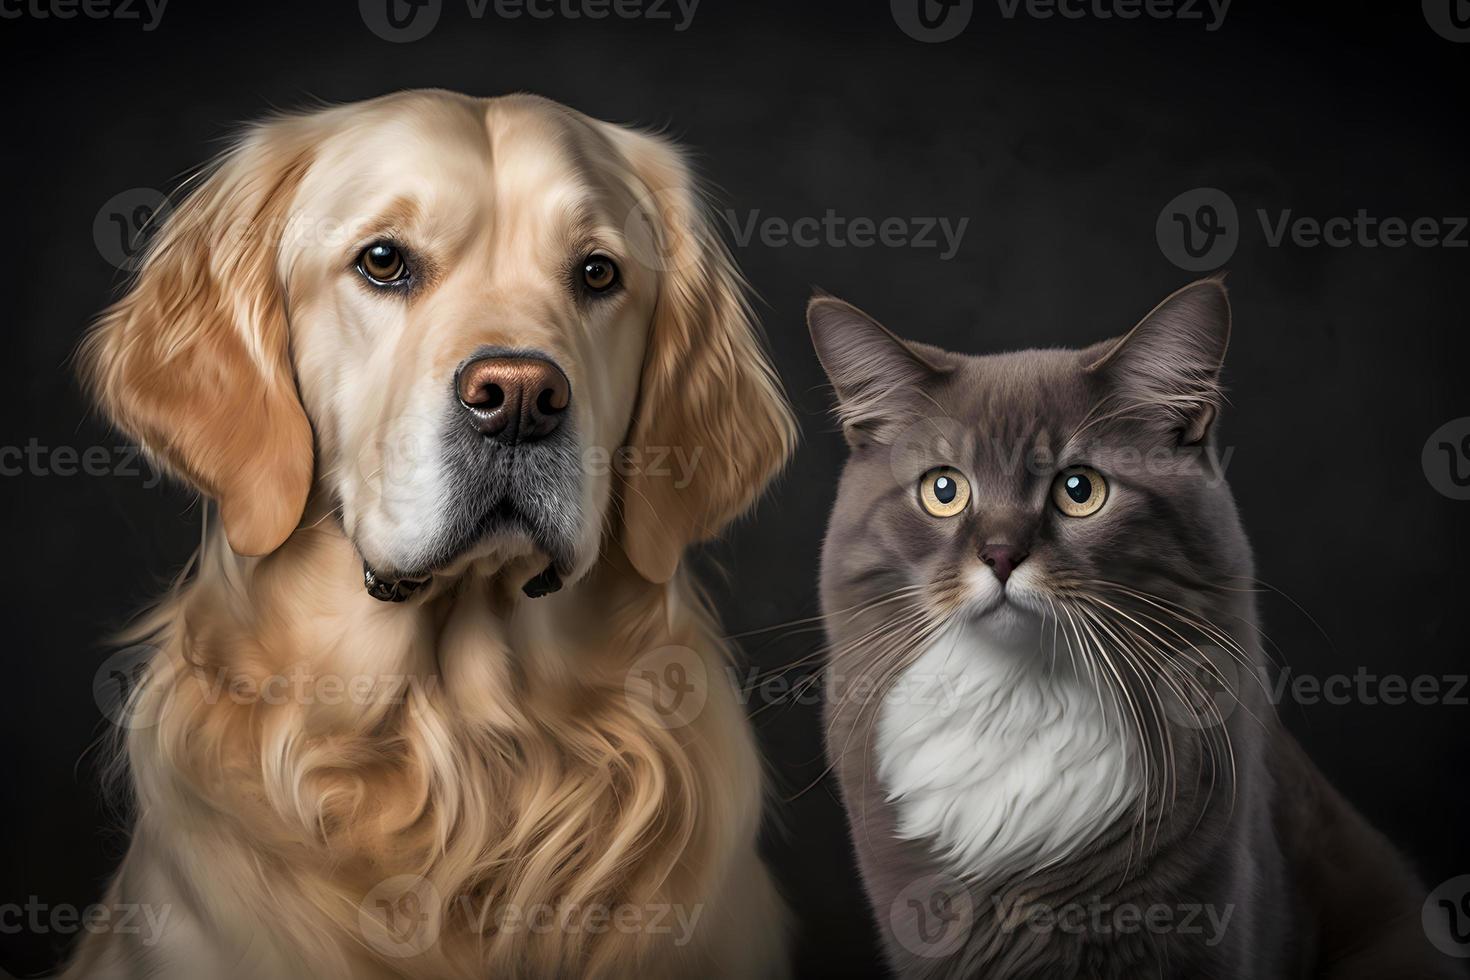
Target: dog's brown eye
382,264
599,273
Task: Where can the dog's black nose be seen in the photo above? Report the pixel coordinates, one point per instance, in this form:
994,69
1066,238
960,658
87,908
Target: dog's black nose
514,399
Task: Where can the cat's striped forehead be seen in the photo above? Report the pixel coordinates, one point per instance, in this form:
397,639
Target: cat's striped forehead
1019,412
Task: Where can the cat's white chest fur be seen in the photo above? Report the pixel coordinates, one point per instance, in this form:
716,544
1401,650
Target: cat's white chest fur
1002,755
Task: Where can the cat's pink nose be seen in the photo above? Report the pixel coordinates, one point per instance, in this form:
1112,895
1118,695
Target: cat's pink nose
1003,559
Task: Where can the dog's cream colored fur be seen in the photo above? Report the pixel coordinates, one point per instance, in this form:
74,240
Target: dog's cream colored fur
502,763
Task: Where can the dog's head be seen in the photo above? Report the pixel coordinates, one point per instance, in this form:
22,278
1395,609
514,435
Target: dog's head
475,329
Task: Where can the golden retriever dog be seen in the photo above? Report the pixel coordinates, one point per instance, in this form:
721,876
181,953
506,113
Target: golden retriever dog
461,380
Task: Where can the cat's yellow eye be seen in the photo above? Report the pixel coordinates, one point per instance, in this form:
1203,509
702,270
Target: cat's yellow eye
1079,491
943,492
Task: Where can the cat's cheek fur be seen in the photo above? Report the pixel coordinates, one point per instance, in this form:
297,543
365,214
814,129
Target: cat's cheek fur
1000,758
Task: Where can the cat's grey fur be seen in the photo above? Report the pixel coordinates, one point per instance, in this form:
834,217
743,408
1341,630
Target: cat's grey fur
1310,889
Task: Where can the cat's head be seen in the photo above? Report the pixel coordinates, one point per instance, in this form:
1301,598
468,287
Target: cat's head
1020,491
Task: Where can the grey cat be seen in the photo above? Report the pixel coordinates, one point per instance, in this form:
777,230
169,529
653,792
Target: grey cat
1045,705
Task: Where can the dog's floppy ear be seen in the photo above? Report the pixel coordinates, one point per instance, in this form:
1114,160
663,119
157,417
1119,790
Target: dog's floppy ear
194,362
707,388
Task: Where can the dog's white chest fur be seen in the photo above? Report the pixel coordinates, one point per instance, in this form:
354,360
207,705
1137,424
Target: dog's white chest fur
1003,757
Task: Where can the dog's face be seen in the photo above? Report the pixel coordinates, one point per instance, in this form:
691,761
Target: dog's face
465,325
469,352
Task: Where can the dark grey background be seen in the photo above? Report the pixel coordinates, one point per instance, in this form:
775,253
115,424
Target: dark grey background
1060,141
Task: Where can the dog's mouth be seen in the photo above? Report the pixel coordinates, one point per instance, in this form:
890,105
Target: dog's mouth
389,589
506,510
504,527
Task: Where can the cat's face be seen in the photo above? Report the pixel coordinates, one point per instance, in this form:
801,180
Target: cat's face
1012,490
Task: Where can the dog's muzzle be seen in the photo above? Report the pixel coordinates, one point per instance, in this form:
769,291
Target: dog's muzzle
513,470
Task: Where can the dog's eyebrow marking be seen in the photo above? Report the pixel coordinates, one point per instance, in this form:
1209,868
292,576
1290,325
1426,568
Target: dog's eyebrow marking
584,230
403,212
579,225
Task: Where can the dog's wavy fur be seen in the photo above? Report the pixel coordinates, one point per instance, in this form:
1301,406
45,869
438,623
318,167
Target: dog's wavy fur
506,765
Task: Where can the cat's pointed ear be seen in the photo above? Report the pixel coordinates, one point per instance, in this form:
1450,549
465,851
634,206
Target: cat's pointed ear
1168,367
874,372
